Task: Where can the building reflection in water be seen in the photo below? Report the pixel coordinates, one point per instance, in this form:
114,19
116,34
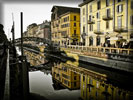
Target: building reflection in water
65,76
93,85
34,58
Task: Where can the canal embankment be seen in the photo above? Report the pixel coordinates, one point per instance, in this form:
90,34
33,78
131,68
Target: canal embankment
108,58
111,60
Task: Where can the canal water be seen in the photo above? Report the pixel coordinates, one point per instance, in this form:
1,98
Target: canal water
57,80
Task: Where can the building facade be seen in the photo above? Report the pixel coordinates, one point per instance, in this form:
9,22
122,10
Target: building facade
65,25
42,30
106,22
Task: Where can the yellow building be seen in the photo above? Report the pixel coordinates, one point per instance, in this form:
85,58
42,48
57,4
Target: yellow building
65,25
106,22
64,75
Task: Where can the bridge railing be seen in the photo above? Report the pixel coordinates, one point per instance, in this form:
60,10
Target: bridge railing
111,50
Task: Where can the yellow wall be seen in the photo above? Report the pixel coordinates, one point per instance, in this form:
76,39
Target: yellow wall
69,29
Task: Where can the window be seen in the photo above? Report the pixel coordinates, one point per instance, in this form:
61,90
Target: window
108,12
119,21
75,84
132,4
74,18
131,20
75,77
90,41
75,32
119,0
119,8
98,5
83,19
131,35
107,2
83,29
98,40
98,26
107,24
74,24
83,78
68,18
98,15
83,11
90,8
89,17
91,81
91,27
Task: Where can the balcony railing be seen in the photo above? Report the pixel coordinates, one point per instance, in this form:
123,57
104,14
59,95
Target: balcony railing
75,36
107,17
120,29
91,22
98,32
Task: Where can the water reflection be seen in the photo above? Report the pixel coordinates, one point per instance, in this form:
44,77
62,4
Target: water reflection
42,84
93,85
70,82
34,58
65,76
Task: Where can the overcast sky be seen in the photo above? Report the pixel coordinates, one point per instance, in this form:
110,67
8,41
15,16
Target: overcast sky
33,12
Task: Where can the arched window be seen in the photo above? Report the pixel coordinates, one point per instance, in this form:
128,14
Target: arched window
90,41
98,40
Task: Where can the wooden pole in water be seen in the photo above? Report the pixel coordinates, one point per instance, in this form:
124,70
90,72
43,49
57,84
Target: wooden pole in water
22,34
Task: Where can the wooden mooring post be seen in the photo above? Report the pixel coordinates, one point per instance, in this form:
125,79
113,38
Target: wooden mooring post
24,66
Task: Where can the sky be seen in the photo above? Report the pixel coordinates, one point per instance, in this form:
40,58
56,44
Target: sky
33,12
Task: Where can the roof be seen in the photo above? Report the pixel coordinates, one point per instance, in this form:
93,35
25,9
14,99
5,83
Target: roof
85,2
64,9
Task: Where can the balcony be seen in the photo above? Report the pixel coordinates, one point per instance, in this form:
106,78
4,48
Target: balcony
98,32
120,29
107,17
75,36
91,22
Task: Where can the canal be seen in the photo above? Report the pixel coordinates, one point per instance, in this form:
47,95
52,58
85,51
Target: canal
54,79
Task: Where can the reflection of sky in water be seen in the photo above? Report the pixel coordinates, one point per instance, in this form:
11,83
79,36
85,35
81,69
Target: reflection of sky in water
41,84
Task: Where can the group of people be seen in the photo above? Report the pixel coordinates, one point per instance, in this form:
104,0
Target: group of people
118,45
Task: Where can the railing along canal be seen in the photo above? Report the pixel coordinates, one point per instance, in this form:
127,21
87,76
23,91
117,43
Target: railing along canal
102,49
120,54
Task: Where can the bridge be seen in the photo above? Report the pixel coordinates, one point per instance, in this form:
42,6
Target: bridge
34,39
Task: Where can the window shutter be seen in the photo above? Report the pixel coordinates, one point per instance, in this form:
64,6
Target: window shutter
117,9
131,20
121,8
99,15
